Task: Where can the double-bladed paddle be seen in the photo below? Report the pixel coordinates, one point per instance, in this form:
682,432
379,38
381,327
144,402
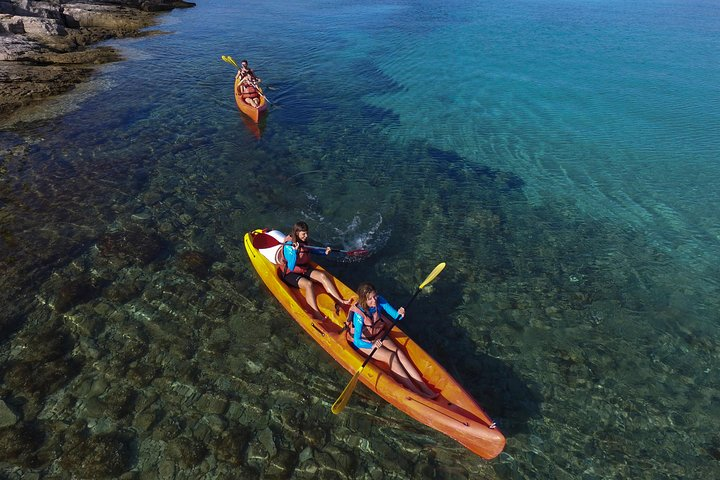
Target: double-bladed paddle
263,240
344,397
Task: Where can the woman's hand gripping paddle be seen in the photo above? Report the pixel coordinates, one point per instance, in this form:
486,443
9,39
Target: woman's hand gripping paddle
344,397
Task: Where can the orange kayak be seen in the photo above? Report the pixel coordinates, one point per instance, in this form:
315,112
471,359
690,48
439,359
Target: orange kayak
250,110
454,412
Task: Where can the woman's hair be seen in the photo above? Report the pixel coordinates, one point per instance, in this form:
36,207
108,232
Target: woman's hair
297,228
363,290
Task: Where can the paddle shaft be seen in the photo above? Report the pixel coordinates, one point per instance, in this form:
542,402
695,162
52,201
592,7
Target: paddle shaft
275,242
346,252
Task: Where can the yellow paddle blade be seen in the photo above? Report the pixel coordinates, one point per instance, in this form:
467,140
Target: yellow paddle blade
432,275
342,400
230,60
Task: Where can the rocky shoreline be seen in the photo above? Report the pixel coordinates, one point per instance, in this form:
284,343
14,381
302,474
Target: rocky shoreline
46,46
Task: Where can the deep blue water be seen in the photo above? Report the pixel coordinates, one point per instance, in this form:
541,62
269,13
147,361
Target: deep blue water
561,156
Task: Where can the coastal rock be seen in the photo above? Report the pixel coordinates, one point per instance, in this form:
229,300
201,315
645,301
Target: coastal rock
163,5
14,47
11,24
33,27
31,8
114,17
44,44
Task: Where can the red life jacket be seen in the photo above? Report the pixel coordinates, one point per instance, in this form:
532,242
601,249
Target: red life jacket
373,326
301,264
248,91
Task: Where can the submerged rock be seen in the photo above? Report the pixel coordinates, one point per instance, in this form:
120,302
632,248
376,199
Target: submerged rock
128,246
20,443
8,418
96,456
230,445
186,452
196,263
44,364
48,343
74,292
266,440
40,380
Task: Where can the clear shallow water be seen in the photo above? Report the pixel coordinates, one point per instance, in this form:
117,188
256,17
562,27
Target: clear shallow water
567,177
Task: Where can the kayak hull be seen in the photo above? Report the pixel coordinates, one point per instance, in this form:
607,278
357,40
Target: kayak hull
454,413
254,113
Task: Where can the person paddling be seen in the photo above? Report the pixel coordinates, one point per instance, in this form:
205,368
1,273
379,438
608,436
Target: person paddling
248,84
246,71
249,92
366,328
298,272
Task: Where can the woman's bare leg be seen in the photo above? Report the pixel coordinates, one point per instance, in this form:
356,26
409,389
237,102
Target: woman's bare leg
410,368
390,358
308,288
326,281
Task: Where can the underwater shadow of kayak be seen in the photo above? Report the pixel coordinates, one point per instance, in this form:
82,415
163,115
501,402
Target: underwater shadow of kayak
503,394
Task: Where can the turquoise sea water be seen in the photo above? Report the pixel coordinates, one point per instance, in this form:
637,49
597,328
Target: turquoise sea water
560,156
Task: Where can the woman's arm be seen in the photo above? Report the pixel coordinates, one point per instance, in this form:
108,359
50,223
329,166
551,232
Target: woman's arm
387,308
317,250
290,256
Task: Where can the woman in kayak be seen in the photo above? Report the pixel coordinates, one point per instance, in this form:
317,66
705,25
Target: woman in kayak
249,92
299,273
366,328
248,84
